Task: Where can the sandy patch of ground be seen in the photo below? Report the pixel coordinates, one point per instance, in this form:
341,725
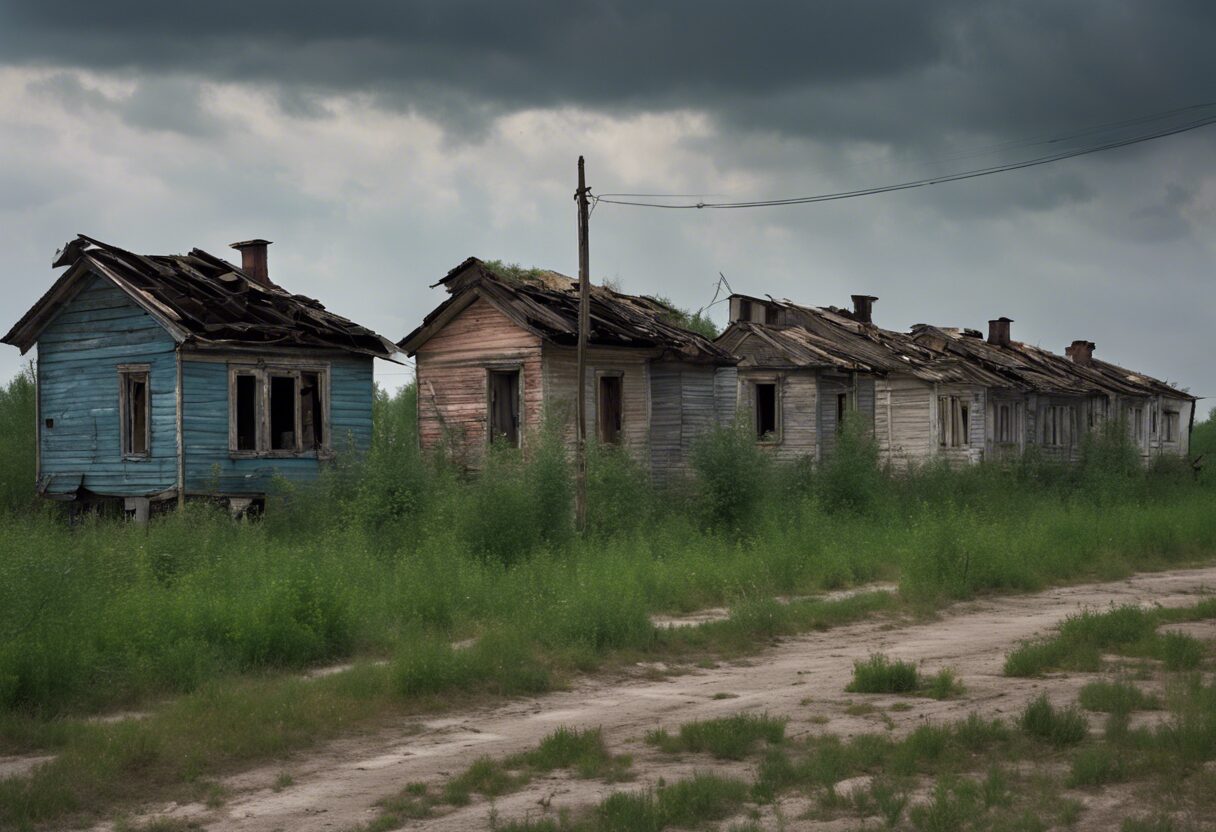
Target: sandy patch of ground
710,614
802,678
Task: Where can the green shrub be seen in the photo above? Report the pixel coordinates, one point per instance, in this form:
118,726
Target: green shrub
1116,698
730,478
728,738
879,674
1058,726
18,409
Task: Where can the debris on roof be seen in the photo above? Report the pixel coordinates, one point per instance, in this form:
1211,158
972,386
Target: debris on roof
831,338
546,303
201,299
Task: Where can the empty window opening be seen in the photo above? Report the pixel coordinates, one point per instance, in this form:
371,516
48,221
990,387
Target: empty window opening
745,310
609,409
842,410
282,413
135,434
311,414
246,412
504,407
770,314
766,411
1152,422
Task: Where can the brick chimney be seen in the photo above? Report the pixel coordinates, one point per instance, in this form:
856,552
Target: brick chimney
1081,352
998,332
253,260
863,308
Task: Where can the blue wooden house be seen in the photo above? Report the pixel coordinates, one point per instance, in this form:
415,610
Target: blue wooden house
167,377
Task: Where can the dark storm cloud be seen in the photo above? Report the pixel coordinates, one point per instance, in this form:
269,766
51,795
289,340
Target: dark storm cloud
891,71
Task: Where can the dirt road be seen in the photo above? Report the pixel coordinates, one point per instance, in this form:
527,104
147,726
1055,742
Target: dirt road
802,678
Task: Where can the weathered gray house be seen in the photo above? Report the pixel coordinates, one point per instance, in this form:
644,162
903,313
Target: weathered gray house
933,393
163,377
497,357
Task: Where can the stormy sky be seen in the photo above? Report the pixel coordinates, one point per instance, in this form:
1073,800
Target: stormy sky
380,143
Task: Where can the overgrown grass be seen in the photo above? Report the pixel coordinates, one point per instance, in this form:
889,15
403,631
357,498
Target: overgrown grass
1131,630
1058,726
398,556
728,738
880,674
1116,698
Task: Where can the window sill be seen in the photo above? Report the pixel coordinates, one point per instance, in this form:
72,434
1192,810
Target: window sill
136,457
322,454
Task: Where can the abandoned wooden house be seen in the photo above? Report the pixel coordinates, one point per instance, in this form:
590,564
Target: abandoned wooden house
933,392
498,357
166,377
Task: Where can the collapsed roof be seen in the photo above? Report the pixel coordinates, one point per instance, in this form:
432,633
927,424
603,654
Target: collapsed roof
835,339
201,299
546,304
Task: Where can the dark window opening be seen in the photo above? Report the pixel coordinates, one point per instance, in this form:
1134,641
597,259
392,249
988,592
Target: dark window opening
610,409
504,407
282,413
766,411
311,419
50,423
770,314
246,413
842,410
135,438
745,310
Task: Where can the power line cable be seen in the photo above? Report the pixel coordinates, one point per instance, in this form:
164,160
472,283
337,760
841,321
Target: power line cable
952,177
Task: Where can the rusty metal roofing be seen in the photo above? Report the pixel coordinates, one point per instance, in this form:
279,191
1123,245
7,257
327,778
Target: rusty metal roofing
201,299
831,338
546,303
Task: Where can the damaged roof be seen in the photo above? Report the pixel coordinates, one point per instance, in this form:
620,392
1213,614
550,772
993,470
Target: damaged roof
832,338
546,304
200,298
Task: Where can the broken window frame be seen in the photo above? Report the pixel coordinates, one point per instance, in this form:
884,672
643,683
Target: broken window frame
127,375
1005,423
1135,422
518,371
601,434
953,421
1171,424
1058,426
770,437
264,375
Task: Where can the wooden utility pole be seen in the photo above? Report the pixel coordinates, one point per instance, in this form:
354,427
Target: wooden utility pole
584,318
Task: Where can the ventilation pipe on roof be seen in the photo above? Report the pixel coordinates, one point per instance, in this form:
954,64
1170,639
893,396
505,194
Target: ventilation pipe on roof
863,308
998,332
1081,352
253,260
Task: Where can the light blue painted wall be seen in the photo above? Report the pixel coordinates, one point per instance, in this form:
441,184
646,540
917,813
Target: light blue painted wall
78,356
210,467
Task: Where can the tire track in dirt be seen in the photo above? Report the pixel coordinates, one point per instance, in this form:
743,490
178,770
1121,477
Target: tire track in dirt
802,678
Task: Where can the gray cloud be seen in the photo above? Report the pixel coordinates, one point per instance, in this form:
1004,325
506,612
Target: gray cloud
886,70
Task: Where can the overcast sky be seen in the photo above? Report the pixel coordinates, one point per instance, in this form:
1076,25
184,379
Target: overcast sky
380,143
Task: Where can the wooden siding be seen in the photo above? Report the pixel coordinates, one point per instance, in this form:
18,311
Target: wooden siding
797,398
78,358
687,401
902,421
451,370
211,468
559,374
